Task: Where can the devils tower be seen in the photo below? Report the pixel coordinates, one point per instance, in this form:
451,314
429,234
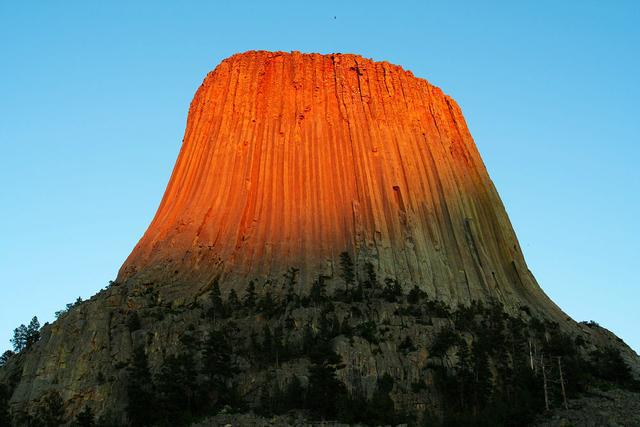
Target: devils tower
290,159
329,246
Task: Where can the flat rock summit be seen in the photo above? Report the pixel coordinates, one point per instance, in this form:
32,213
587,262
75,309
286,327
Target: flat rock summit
330,247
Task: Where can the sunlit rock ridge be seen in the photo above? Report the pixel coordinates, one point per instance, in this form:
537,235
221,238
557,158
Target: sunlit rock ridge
290,159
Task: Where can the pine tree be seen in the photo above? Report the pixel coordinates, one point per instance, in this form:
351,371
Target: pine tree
85,418
177,389
133,321
33,332
609,365
19,339
382,407
415,295
25,336
267,304
318,290
372,277
295,394
329,326
325,389
5,357
217,307
392,290
141,407
465,375
290,283
217,366
308,339
346,270
249,300
233,302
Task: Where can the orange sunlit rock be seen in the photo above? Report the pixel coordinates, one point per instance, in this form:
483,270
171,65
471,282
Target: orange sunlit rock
290,159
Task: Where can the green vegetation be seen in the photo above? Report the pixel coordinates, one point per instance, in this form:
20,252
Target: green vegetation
325,390
514,369
86,418
217,310
68,307
140,390
347,270
249,300
488,367
5,357
25,336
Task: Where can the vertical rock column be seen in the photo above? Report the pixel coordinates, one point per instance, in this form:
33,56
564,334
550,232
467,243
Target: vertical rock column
290,159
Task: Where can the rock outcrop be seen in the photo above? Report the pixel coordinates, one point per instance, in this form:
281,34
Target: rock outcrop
290,159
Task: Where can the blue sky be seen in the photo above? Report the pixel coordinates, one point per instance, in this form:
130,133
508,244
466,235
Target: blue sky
94,97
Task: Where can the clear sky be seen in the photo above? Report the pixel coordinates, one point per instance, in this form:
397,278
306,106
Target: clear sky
94,97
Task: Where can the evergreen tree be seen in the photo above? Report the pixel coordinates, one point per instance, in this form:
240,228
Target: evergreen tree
233,302
290,284
19,339
372,277
392,290
268,304
382,410
318,290
325,389
5,357
255,345
25,336
218,366
266,401
443,341
609,365
357,294
415,295
85,418
141,408
329,325
483,378
216,311
406,345
346,270
308,339
345,327
133,321
295,394
33,332
249,300
176,387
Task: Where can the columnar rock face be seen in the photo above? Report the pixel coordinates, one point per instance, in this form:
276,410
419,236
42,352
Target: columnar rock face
290,159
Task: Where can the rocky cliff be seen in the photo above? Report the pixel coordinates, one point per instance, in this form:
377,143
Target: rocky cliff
321,207
290,159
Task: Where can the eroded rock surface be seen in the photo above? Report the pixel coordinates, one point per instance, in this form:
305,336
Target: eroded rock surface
290,159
